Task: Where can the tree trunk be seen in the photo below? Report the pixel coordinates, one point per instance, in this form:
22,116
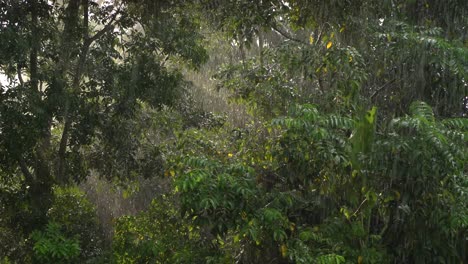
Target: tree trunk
40,183
68,45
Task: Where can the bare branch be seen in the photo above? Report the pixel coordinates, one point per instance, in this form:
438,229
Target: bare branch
287,35
382,88
359,208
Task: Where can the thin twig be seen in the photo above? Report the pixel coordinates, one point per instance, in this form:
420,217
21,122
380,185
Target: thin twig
359,208
382,88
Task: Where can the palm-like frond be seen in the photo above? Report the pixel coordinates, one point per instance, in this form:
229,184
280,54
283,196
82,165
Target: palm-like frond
422,110
447,137
456,123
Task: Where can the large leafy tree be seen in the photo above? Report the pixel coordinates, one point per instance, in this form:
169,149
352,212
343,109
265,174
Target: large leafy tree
78,67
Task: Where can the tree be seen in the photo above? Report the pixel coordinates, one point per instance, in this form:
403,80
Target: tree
72,66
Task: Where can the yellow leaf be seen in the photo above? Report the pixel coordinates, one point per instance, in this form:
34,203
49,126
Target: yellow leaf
345,212
284,250
292,226
379,72
230,155
329,44
332,35
172,173
244,215
342,29
220,241
350,58
311,40
359,260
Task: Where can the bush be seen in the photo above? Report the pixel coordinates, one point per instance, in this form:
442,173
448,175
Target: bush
77,218
52,245
158,235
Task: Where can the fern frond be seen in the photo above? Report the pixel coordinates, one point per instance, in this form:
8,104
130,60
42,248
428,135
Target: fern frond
330,259
200,162
406,123
334,121
456,123
282,121
456,135
307,111
421,109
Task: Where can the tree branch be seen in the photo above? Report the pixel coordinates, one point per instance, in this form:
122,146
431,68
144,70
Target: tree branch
359,208
85,18
88,41
24,169
107,27
287,35
75,87
20,77
33,64
71,23
381,88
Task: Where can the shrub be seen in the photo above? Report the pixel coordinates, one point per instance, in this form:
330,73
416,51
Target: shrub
77,218
53,246
159,235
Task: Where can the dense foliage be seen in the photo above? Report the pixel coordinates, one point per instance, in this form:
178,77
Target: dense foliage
221,131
